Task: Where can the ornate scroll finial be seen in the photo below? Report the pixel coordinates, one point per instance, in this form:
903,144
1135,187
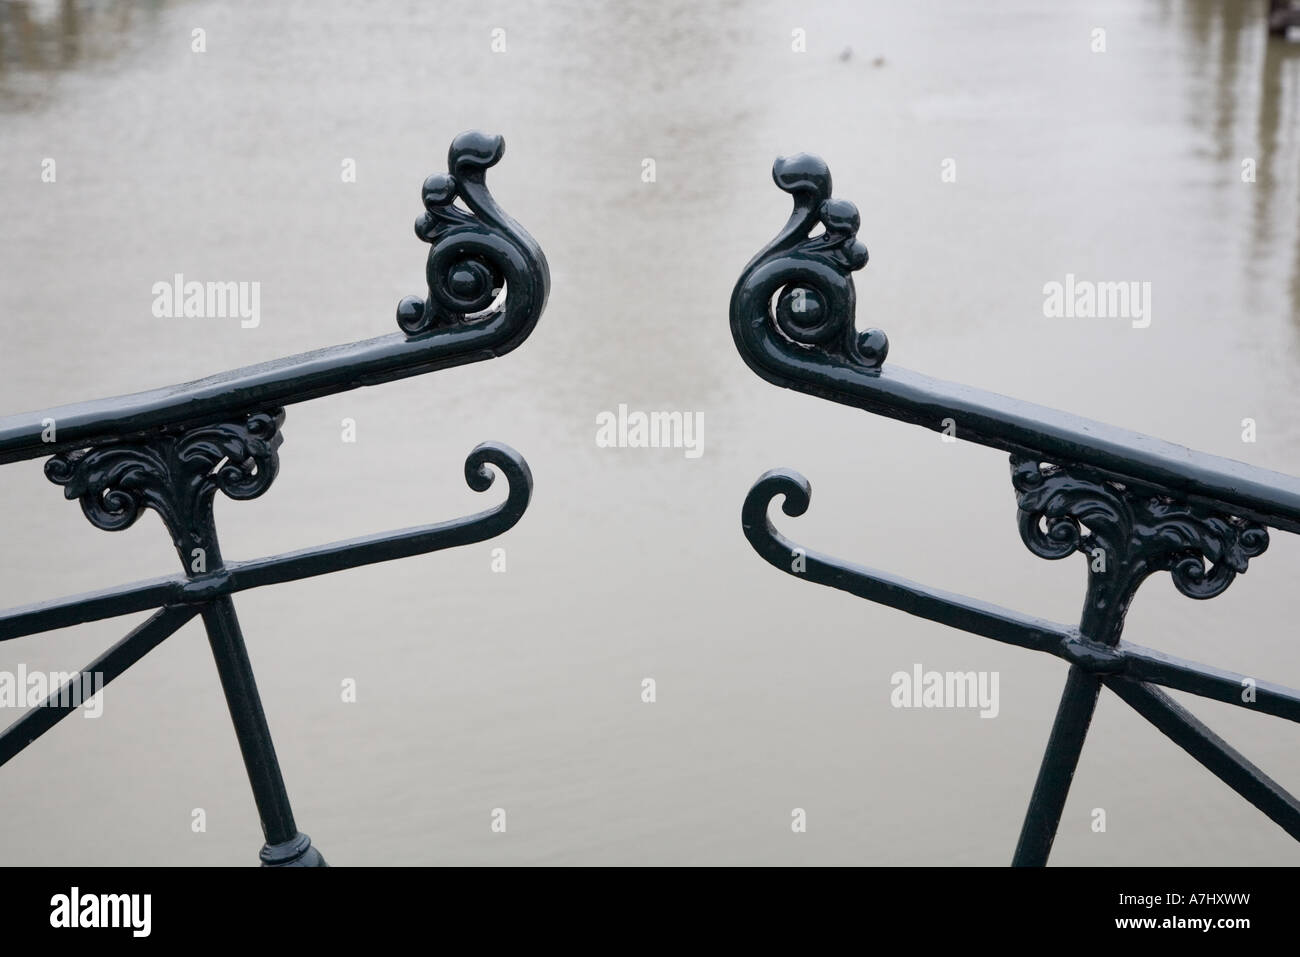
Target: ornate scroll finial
475,255
1128,533
810,278
176,475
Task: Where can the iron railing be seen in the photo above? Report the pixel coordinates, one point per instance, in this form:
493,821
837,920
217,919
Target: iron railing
1138,504
172,449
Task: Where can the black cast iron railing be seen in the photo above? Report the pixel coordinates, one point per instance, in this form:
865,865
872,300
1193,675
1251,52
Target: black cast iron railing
1139,504
172,449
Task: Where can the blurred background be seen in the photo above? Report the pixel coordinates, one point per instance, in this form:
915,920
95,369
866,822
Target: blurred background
478,690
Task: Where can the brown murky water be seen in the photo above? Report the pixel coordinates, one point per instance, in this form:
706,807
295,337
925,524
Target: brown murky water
479,690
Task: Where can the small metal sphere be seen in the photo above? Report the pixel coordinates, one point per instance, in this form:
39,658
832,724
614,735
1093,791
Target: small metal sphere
466,282
801,309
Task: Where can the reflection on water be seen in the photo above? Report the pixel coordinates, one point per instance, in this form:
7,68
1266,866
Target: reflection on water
40,39
521,690
1247,99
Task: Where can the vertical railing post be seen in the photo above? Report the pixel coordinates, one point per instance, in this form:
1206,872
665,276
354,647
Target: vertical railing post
285,844
250,464
177,475
1052,787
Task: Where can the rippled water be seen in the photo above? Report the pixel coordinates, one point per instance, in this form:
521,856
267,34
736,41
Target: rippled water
521,690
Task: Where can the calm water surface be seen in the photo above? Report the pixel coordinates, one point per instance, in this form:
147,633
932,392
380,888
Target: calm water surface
522,690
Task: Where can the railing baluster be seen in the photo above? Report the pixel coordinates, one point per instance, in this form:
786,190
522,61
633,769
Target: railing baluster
1060,759
284,843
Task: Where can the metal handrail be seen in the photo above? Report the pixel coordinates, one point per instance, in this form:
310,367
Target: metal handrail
472,258
1082,487
172,449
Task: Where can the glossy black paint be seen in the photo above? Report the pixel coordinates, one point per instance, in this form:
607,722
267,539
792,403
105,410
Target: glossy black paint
1141,504
171,450
824,355
489,242
1128,533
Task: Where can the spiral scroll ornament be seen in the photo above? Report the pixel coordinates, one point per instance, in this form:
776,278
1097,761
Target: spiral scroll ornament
477,253
800,285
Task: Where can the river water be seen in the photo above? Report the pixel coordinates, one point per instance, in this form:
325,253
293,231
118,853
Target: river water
522,690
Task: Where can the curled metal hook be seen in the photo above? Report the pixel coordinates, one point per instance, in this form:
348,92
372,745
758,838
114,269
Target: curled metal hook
406,542
481,468
1124,659
957,611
